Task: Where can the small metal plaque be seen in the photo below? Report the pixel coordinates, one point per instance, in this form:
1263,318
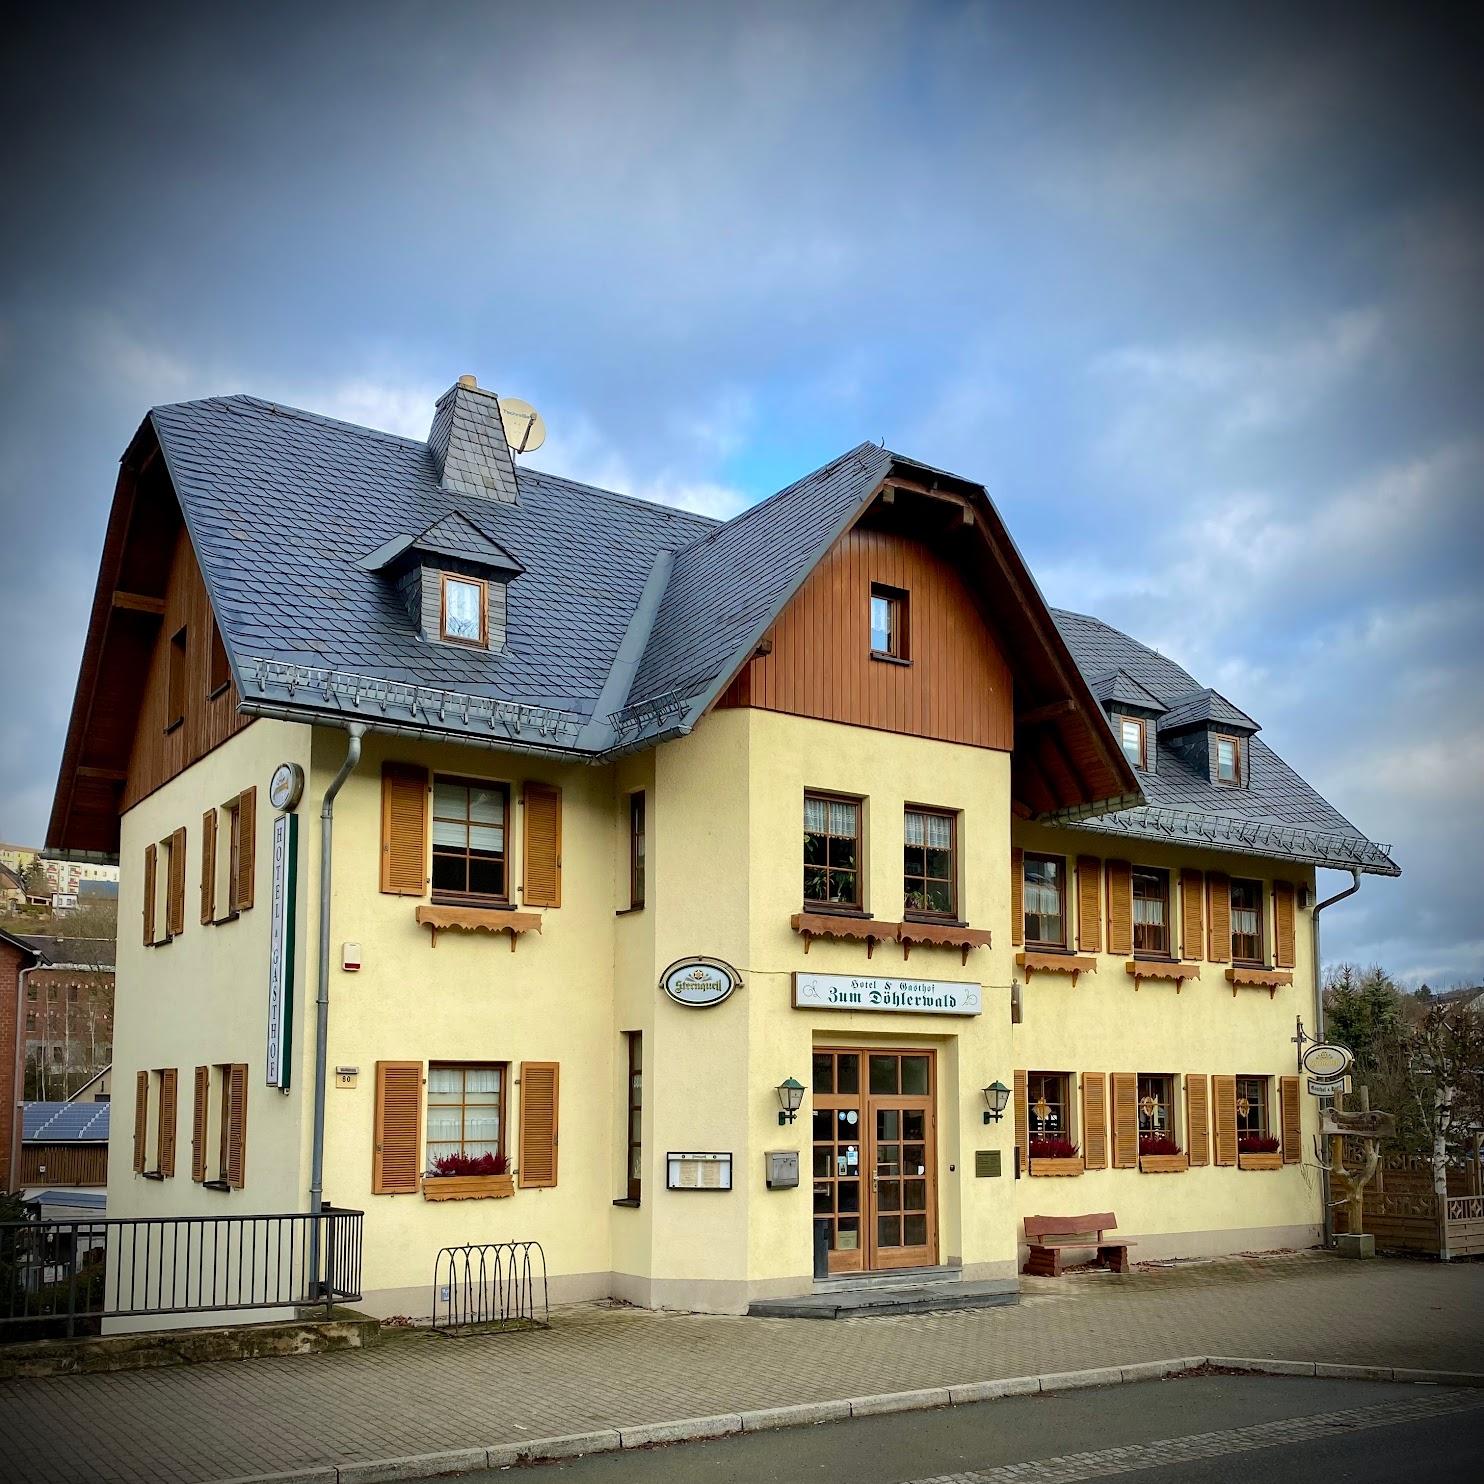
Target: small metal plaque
346,1076
986,1164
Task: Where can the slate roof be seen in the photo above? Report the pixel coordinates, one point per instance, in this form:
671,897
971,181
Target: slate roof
1206,706
626,620
1276,815
50,949
65,1123
1119,688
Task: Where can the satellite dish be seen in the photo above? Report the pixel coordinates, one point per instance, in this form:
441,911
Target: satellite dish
524,430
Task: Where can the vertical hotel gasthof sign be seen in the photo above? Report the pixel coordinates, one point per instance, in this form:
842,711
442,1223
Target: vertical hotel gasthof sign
281,948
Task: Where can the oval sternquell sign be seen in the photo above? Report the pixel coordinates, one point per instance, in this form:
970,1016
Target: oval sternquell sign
700,982
1327,1059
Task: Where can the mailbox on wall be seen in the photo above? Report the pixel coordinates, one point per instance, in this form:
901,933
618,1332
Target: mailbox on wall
782,1168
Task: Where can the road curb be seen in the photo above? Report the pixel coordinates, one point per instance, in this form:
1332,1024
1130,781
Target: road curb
808,1414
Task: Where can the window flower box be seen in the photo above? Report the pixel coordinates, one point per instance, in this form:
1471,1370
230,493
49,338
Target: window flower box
1257,1161
1064,1165
1164,1164
467,1187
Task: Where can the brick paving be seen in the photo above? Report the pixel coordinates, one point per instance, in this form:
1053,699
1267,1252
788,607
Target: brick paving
605,1366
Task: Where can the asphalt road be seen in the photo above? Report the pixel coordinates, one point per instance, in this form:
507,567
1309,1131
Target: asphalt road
1259,1429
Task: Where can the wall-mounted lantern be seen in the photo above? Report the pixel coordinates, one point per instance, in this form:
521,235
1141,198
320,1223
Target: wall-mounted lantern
996,1099
790,1096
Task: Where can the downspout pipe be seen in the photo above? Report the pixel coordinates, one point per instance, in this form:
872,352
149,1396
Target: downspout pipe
1339,896
357,730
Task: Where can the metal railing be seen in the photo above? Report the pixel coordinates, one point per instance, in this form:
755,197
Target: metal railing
490,1285
66,1277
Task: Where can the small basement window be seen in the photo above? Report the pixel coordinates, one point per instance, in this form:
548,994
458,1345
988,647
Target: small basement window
888,622
1229,760
465,611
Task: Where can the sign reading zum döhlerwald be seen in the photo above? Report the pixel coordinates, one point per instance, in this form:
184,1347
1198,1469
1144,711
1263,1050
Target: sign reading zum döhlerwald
868,992
281,949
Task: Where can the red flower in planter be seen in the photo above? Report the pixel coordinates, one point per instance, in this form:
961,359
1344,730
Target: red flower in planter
1157,1144
1051,1148
1257,1144
471,1164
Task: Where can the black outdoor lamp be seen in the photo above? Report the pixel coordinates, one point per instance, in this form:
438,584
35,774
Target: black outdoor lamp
790,1096
996,1098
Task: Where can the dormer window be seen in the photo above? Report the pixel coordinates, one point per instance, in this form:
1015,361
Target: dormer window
1229,760
1131,735
465,613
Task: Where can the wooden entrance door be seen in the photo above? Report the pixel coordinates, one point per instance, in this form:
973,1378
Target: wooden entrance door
874,1158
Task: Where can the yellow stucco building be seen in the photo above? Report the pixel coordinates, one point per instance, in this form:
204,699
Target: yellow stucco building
736,909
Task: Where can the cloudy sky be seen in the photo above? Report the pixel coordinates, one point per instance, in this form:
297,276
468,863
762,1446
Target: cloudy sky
1198,297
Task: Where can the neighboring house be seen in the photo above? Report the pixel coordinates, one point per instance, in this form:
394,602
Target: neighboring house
54,881
97,1089
64,1149
12,887
17,959
68,1013
835,753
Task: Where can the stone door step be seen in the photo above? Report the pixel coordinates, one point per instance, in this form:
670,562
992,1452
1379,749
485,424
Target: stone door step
893,1278
923,1298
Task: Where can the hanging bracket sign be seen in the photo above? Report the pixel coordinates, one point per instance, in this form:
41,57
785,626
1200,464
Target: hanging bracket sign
1328,1061
700,983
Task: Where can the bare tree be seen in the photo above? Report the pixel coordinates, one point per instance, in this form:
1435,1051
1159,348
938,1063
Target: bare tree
1445,1075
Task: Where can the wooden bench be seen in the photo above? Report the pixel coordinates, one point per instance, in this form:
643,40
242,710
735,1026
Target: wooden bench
1047,1236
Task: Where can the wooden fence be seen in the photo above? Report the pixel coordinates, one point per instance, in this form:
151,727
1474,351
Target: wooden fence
1405,1214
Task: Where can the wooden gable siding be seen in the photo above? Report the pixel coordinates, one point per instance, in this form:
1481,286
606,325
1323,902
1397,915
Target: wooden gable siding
956,686
157,755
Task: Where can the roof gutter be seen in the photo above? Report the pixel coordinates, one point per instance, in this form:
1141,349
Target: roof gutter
14,1169
1339,896
357,730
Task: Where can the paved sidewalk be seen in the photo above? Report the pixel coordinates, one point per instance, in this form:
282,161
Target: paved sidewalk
601,1366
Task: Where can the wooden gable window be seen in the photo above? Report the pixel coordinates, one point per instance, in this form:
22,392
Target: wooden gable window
466,1110
1151,911
175,681
219,676
1133,738
1246,921
1045,901
636,850
930,863
1229,761
470,819
832,848
888,623
463,611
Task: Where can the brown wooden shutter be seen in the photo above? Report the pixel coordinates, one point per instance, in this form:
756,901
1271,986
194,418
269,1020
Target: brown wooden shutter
1022,1123
236,1171
1120,909
1283,926
1125,1121
1017,895
1224,1116
198,1124
395,1155
1094,1121
167,1122
538,1123
1089,904
1293,1125
149,898
141,1117
1197,1119
208,867
543,845
404,832
175,906
1219,917
1192,926
247,847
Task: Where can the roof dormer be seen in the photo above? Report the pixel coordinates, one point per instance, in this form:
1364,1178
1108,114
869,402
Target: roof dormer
453,581
1212,736
1133,712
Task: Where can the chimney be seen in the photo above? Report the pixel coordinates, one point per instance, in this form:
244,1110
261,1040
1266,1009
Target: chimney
467,441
